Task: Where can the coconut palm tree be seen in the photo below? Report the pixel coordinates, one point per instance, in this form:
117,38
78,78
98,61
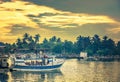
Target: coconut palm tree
19,43
26,36
37,37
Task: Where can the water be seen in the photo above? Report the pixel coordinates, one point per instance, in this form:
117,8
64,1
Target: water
71,71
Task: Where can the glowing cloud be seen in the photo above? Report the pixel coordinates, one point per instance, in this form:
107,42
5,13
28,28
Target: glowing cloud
114,30
63,21
17,13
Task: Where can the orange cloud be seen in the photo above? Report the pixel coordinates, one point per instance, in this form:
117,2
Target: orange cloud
81,19
114,30
16,13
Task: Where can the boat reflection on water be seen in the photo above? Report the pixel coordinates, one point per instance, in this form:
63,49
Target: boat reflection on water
3,77
21,76
36,76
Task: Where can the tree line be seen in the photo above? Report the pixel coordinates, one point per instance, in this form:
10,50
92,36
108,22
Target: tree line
92,45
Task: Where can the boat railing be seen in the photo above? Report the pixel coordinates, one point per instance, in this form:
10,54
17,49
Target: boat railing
44,61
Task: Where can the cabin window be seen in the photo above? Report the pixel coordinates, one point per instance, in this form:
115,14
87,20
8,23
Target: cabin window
4,60
19,61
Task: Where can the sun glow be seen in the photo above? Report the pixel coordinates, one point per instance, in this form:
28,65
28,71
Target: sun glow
41,17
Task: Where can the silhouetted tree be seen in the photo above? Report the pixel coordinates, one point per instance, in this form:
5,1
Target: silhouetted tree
37,37
68,46
118,48
57,48
92,45
53,39
96,43
58,40
45,43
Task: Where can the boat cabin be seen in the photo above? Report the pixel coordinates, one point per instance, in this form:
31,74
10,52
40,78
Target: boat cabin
3,62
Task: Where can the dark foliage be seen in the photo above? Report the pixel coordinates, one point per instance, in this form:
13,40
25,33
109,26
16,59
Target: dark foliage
92,45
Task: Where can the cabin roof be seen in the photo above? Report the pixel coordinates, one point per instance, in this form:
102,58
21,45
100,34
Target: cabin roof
4,56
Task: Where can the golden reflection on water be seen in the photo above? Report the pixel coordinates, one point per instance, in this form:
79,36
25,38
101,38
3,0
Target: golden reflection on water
83,71
71,71
34,76
9,76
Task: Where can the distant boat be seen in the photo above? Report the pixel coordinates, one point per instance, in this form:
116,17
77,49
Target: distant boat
83,55
38,64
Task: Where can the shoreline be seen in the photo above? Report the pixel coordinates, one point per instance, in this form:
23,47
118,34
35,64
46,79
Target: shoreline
92,58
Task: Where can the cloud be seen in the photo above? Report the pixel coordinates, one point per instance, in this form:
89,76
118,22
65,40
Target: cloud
58,19
38,17
16,13
3,35
115,29
62,21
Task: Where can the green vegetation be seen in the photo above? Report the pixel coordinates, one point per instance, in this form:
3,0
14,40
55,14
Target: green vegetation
92,45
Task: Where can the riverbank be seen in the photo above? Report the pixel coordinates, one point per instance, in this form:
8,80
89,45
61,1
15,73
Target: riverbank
91,58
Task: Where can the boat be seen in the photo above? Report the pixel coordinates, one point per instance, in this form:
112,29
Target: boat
38,64
5,61
83,56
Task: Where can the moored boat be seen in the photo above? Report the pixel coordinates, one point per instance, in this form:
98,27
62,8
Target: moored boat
38,64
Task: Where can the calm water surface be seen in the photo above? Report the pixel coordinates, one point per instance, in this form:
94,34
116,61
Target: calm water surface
71,71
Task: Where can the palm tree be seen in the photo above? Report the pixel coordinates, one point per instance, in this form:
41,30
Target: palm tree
45,41
26,36
58,40
37,37
118,48
105,38
53,39
19,43
31,42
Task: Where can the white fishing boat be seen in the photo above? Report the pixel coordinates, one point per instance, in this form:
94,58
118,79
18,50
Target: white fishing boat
38,64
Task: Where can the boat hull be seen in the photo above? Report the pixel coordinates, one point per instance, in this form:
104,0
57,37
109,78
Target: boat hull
36,68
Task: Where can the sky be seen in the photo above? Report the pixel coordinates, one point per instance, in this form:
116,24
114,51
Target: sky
66,19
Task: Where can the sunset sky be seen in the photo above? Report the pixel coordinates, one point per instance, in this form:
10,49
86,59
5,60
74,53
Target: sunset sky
66,19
